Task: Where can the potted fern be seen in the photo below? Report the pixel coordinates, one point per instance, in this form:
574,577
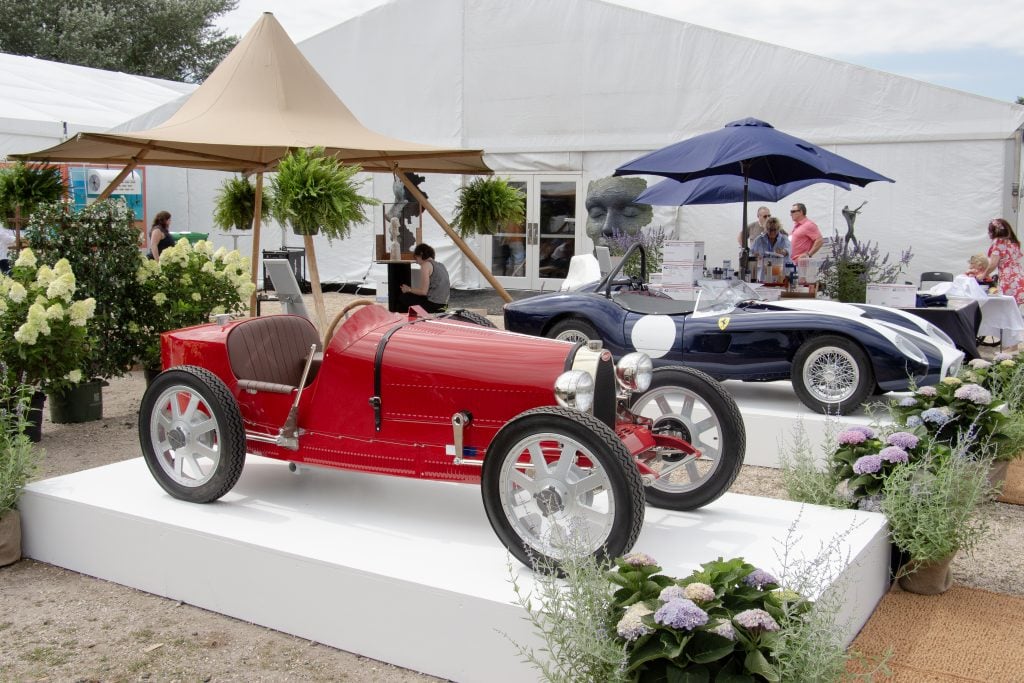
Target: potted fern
24,187
235,205
486,205
315,193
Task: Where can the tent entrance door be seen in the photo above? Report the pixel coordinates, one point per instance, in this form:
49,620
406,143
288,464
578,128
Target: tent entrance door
535,254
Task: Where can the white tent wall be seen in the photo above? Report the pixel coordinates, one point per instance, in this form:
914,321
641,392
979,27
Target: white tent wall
582,86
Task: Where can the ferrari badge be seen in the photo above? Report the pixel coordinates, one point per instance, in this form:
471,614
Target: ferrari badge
723,323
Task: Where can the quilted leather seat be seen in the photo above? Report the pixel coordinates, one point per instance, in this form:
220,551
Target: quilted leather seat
269,353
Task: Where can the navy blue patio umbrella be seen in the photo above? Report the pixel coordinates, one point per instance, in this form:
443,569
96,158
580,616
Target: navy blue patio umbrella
753,150
722,189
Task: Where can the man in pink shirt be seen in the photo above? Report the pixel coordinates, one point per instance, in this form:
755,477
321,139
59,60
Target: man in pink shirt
806,238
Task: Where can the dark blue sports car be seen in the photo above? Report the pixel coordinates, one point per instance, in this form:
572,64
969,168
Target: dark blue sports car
836,354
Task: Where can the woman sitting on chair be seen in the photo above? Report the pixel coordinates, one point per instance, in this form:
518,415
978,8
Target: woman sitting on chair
434,286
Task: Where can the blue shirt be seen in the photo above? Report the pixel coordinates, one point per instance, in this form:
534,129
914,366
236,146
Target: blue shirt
763,245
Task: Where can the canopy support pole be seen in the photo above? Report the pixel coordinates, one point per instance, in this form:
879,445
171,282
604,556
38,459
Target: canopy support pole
459,242
109,189
314,281
255,263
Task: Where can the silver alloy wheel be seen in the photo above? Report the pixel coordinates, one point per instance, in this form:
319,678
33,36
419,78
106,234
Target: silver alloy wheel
553,503
185,436
831,374
574,336
683,413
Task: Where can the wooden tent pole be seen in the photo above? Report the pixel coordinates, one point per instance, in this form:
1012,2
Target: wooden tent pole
109,190
255,264
314,281
484,270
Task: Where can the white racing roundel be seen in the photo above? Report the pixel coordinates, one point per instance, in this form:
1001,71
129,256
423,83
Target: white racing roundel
655,335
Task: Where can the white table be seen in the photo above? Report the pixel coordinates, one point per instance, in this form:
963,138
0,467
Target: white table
1000,317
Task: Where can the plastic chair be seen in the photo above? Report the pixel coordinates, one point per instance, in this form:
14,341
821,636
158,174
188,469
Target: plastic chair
935,276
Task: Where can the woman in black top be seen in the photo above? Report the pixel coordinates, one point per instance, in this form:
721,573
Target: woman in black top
160,235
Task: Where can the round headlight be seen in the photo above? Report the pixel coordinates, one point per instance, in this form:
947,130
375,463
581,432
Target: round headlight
575,389
634,371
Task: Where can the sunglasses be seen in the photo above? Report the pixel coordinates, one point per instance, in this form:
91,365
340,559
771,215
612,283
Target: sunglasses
794,210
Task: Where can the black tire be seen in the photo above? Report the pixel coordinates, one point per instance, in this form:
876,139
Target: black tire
195,451
574,330
691,405
832,375
470,317
538,527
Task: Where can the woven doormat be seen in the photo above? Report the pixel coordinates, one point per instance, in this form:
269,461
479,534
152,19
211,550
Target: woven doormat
964,634
1013,490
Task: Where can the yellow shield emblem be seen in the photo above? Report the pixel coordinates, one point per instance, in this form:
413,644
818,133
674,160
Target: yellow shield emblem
723,323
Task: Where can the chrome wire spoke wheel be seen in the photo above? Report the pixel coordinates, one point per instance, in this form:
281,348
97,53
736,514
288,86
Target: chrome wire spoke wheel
831,374
574,336
555,495
685,414
185,435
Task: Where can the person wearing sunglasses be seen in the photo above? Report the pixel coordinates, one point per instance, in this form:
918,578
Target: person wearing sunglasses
1004,255
806,237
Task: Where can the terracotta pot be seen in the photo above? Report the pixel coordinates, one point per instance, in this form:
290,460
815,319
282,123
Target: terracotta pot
10,537
997,475
928,578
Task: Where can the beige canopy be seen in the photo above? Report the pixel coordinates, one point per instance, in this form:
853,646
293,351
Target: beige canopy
263,100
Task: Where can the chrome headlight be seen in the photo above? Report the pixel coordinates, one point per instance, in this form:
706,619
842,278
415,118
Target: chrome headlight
575,389
634,371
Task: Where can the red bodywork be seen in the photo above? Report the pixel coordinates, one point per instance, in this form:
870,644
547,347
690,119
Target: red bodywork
430,369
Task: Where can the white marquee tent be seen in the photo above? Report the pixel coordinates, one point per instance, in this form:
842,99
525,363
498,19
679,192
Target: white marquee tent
573,89
42,103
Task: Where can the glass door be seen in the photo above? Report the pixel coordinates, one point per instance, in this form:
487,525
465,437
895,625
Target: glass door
536,253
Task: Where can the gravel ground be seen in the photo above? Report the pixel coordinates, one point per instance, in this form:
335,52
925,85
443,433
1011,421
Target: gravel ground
57,625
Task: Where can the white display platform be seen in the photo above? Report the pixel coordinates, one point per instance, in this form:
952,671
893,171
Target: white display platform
403,571
771,412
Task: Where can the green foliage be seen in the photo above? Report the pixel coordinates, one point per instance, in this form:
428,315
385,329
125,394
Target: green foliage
235,205
486,205
172,39
804,480
25,187
571,618
933,505
314,192
727,621
652,239
101,244
43,333
721,621
848,268
18,456
186,286
1003,376
954,411
863,459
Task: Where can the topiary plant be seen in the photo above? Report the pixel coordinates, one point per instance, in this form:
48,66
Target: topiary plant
486,205
235,205
316,193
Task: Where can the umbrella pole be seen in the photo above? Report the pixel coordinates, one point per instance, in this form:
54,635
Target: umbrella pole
255,264
459,242
745,250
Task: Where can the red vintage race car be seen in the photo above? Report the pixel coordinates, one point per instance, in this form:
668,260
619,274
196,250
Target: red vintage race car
564,442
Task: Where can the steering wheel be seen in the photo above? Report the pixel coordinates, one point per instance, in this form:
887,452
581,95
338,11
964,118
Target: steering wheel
635,283
343,313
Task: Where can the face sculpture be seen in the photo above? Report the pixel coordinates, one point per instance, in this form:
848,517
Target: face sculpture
610,208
